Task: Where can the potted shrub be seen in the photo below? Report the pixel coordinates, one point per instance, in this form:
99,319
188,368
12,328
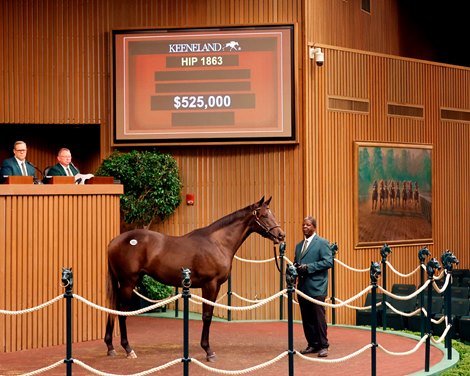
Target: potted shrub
152,185
153,290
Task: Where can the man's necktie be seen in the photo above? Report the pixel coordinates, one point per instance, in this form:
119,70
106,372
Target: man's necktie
69,173
23,167
304,248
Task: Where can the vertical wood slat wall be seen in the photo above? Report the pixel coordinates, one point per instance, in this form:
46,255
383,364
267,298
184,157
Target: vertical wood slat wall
55,68
380,80
39,235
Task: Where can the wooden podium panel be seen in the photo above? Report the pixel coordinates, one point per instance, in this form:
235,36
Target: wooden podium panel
44,228
59,180
100,180
18,180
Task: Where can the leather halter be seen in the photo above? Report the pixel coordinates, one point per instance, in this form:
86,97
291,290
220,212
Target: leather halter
264,226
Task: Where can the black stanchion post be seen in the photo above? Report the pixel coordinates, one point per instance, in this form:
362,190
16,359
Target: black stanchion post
448,260
374,275
431,267
291,276
177,307
229,296
334,251
67,282
384,252
282,252
186,295
422,253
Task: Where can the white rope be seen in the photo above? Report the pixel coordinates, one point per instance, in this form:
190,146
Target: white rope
400,274
143,373
407,314
361,308
259,304
405,297
20,312
45,369
442,337
199,303
444,286
413,350
242,371
350,268
254,261
245,299
128,313
367,289
293,300
336,360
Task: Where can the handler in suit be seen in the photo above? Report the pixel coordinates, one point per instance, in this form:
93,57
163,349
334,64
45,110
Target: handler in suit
65,167
18,165
313,258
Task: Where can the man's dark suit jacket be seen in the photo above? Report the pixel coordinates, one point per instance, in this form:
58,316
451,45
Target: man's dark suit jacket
319,259
58,170
10,167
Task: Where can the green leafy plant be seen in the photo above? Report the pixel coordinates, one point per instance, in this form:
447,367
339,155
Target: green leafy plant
152,185
153,289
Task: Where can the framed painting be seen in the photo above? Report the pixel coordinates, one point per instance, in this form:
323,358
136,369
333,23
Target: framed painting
393,194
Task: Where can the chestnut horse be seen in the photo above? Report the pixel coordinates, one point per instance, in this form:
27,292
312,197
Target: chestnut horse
208,252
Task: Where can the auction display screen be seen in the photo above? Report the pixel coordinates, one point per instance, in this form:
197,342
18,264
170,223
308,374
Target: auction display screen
196,85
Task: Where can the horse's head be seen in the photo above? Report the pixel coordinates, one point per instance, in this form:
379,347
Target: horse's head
422,253
67,277
432,266
448,259
375,271
385,251
266,224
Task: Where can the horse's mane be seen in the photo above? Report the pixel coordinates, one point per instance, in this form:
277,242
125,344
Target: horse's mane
228,219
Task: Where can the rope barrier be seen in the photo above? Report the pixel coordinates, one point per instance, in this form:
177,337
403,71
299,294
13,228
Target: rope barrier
258,303
20,312
243,371
254,261
351,268
342,304
128,313
44,369
400,274
143,373
413,350
336,360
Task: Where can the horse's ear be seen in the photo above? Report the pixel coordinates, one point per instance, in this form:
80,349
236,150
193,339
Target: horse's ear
260,202
269,200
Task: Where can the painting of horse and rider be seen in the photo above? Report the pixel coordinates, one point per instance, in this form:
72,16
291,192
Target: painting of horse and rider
394,193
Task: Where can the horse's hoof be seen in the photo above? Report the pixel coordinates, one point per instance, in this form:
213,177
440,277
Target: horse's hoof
211,358
112,353
131,355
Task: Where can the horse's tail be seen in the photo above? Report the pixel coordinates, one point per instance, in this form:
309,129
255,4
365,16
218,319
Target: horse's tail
111,288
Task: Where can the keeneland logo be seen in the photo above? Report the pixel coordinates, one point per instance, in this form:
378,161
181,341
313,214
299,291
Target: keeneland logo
203,47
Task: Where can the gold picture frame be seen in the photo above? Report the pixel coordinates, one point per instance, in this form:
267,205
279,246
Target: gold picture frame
392,194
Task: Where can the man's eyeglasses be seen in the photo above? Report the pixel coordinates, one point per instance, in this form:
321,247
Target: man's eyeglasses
21,150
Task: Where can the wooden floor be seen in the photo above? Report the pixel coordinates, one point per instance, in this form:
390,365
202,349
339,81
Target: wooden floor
158,339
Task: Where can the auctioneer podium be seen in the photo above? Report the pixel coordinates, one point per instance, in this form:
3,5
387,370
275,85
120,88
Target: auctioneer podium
43,228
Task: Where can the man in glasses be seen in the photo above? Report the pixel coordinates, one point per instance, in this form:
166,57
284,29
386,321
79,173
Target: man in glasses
65,167
18,165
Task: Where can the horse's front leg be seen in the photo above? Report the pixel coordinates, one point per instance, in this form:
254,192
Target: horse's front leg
207,311
209,293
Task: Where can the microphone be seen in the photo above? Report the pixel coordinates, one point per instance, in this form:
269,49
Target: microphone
75,167
28,162
36,181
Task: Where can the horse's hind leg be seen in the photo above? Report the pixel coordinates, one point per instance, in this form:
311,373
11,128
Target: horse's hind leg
124,341
108,337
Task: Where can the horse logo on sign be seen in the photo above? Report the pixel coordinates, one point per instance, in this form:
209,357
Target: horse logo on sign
234,46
